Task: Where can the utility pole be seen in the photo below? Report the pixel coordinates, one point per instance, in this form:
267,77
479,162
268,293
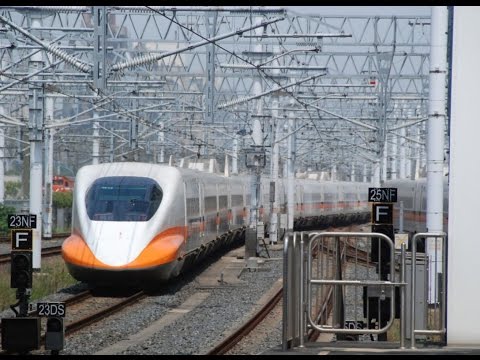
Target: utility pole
161,141
99,69
435,143
275,127
47,216
210,24
2,154
291,172
35,127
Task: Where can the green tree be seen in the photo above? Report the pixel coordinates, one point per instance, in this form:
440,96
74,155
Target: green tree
12,189
62,199
4,211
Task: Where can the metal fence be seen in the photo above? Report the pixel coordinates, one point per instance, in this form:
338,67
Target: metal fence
328,285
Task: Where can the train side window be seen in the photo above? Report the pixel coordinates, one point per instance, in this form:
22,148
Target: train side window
193,207
210,203
237,200
222,201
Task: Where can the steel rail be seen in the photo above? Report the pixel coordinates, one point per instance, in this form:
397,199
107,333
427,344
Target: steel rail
232,340
49,251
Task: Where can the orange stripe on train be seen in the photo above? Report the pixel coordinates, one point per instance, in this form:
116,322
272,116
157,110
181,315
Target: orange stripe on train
164,248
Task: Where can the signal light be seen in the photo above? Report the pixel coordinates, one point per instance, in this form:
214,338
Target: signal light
21,269
55,334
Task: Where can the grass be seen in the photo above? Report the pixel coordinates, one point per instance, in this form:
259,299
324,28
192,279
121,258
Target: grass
52,277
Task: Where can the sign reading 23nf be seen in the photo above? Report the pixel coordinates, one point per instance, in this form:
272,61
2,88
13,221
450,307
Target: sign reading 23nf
382,195
22,221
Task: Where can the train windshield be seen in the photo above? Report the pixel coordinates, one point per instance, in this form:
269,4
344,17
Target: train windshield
123,198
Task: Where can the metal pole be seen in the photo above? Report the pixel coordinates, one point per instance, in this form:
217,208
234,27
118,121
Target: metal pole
112,147
96,140
49,109
294,293
99,46
257,136
403,151
376,173
235,155
384,162
403,294
47,216
400,218
302,329
286,290
274,175
412,292
210,25
334,172
435,137
2,142
394,162
291,173
161,140
36,144
338,315
99,70
2,154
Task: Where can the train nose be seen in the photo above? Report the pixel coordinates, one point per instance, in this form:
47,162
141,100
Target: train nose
76,251
159,261
166,247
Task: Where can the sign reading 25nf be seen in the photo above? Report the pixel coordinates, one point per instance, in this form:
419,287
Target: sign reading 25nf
382,195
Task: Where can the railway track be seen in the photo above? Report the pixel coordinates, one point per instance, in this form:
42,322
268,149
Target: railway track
6,238
74,325
247,327
351,253
46,252
92,318
77,320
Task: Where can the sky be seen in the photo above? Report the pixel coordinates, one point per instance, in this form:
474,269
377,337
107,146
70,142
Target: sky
362,10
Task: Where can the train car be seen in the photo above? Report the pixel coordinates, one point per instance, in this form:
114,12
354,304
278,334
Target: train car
412,194
138,223
62,183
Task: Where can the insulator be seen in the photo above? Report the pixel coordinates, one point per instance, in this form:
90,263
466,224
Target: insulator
65,8
68,58
144,59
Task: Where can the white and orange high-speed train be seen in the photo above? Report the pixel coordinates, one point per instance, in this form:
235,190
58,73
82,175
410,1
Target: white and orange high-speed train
413,195
140,223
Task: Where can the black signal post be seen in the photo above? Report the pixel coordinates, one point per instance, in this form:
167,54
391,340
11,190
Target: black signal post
382,200
21,257
55,334
22,333
21,270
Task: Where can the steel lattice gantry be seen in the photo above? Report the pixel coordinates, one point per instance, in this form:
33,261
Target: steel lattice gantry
144,83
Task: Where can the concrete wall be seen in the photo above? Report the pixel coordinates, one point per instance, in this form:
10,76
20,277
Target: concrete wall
463,289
